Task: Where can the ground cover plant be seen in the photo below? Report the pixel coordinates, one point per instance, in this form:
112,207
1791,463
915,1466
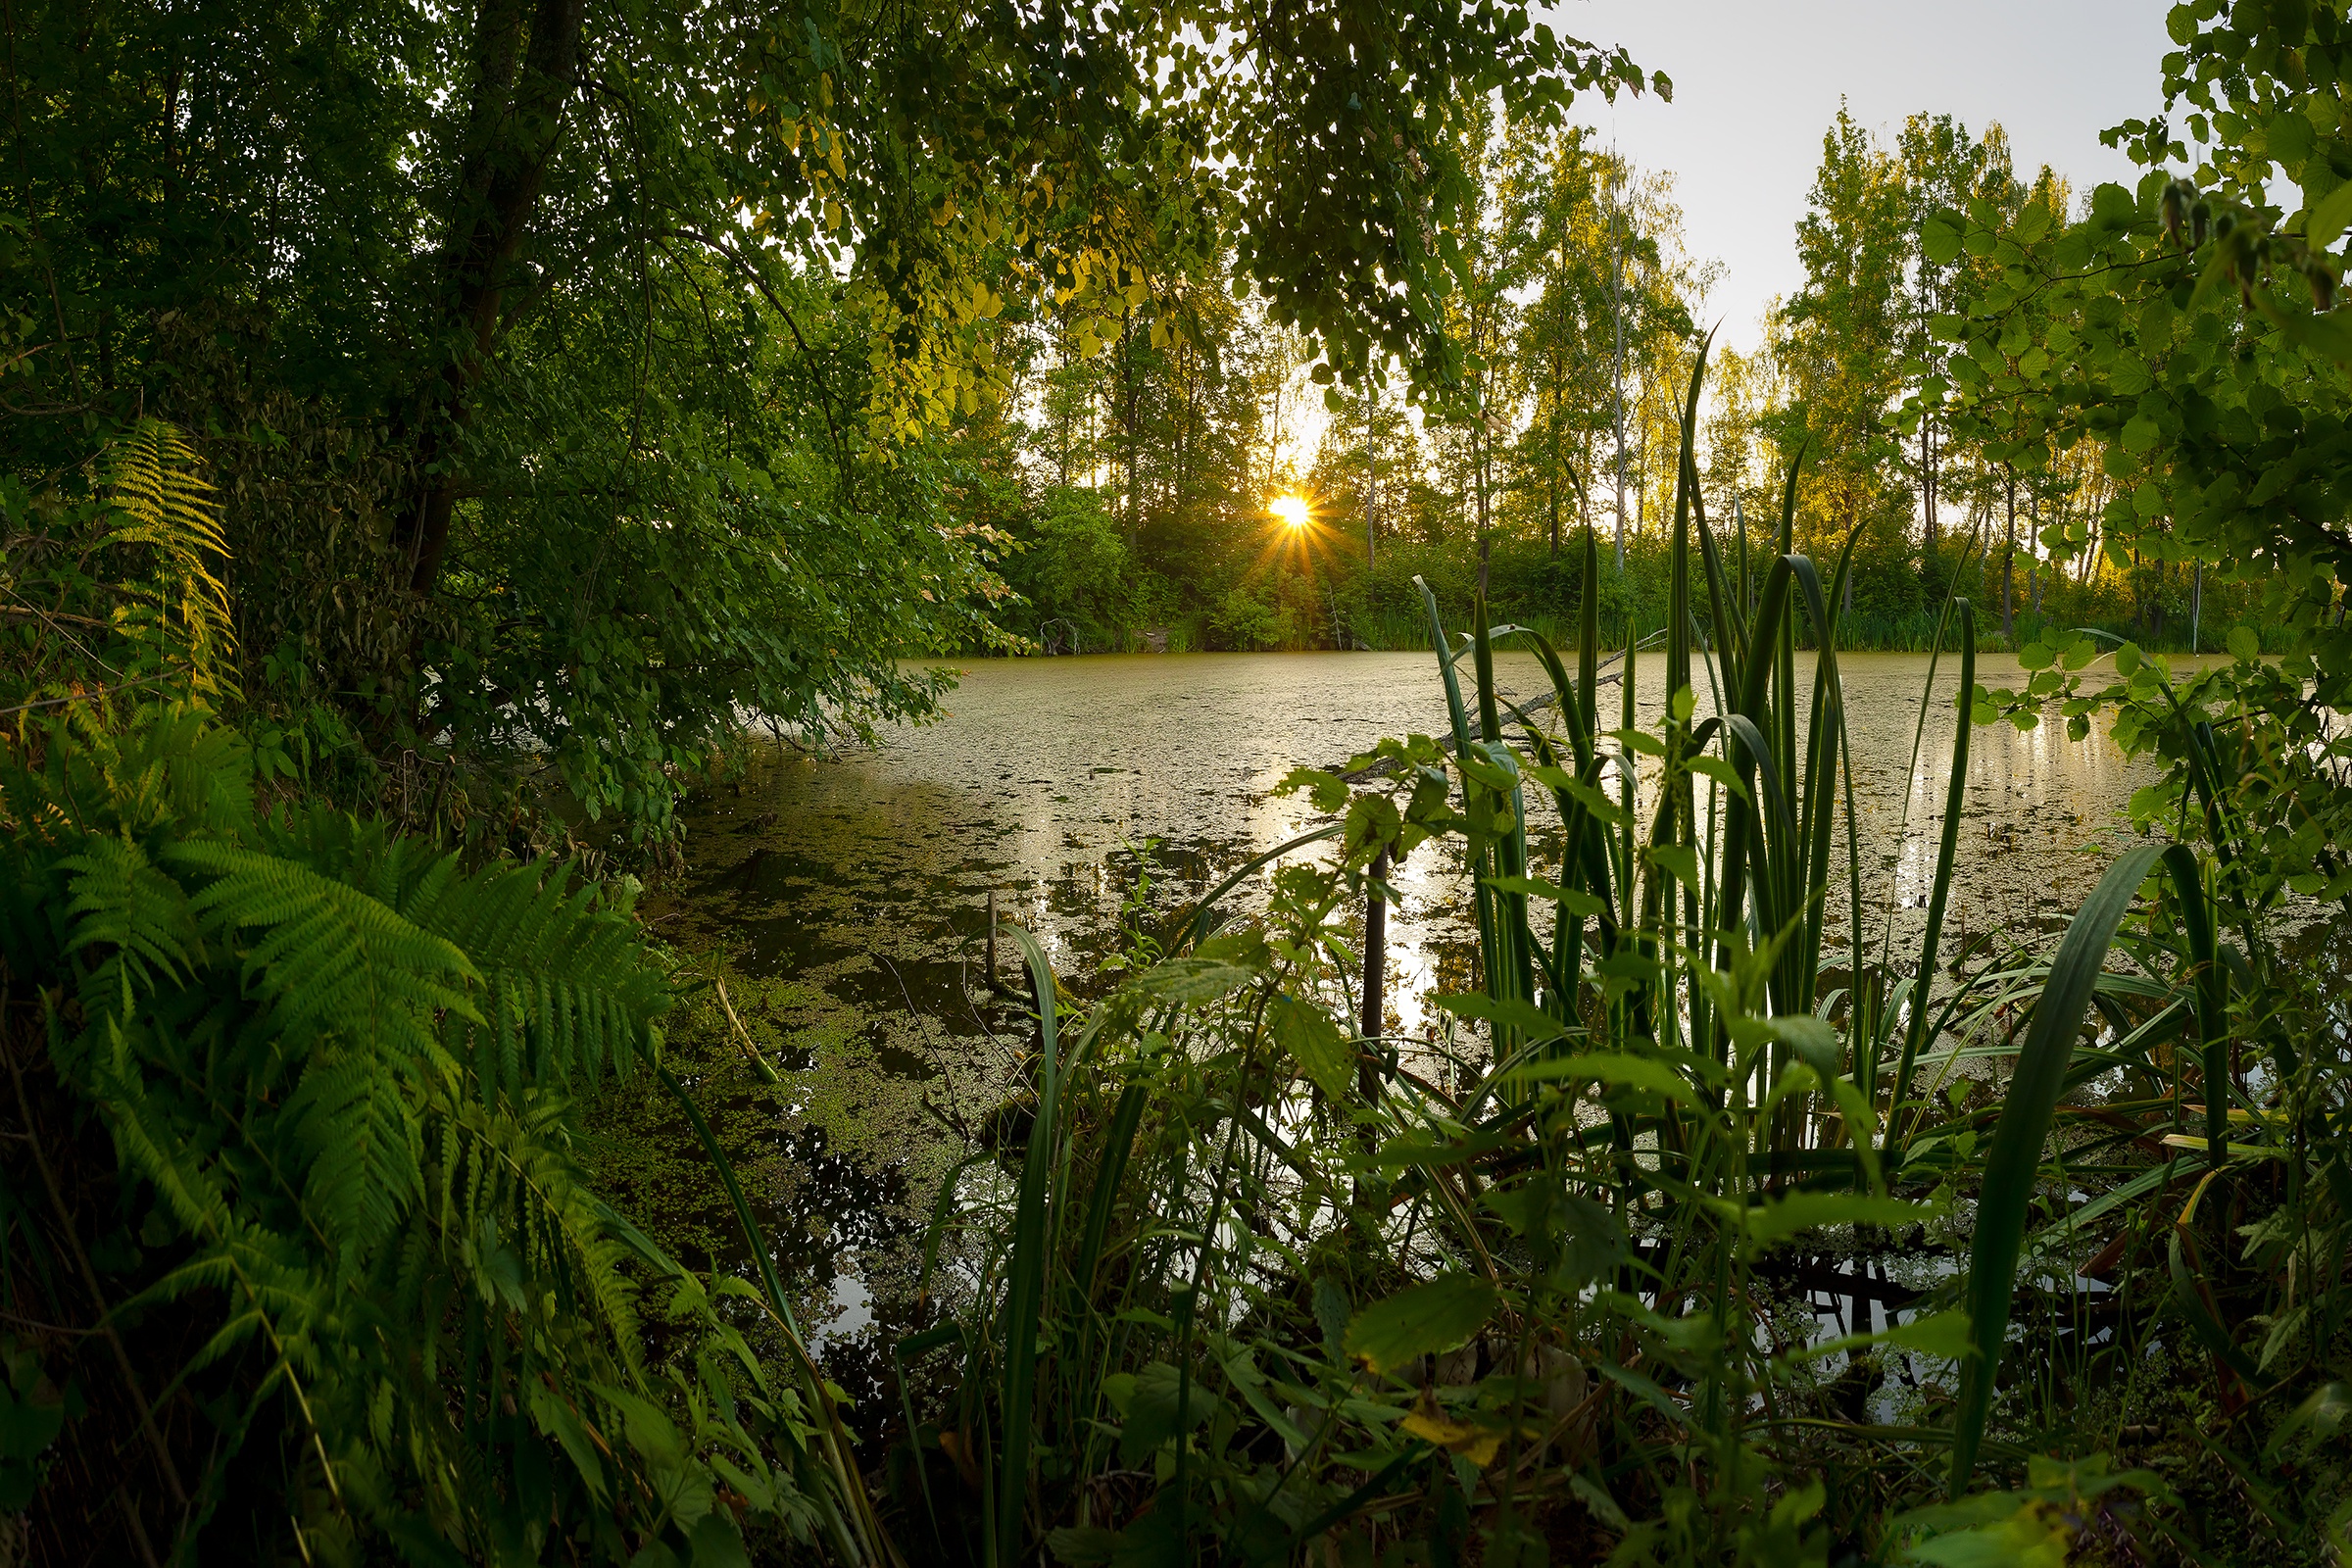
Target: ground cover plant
1263,1284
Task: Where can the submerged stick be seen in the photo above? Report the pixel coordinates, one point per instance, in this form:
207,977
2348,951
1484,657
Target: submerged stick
1376,965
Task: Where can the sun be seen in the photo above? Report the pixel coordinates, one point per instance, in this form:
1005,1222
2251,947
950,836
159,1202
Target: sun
1292,509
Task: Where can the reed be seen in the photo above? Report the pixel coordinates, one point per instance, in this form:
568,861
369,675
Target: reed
1263,1279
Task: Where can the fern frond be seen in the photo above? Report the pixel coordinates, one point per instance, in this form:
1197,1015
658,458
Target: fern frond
162,501
356,1120
576,976
516,1176
149,1144
331,957
120,899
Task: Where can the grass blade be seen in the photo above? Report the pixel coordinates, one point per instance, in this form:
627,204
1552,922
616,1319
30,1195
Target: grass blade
2213,996
2013,1165
1026,1271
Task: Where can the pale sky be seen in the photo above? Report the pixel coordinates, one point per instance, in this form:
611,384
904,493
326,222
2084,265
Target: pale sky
1755,85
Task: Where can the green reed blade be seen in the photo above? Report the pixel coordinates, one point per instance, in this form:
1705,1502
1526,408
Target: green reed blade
1025,1282
1454,682
1762,777
1482,667
1919,730
2212,994
1110,1174
836,1440
1731,624
2013,1162
1588,639
1628,783
1955,796
1743,835
1822,743
1574,704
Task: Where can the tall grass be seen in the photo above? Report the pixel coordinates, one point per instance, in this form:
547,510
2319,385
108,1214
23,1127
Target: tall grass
1261,1285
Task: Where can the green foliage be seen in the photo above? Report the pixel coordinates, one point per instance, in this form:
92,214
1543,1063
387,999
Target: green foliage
582,379
1537,1273
334,1069
294,1095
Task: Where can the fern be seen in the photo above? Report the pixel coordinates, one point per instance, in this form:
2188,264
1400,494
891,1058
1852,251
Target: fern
330,1069
332,1066
162,501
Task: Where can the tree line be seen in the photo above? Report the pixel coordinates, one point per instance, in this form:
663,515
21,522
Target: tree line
1141,465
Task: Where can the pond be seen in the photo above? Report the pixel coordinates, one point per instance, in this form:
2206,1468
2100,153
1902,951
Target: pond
851,895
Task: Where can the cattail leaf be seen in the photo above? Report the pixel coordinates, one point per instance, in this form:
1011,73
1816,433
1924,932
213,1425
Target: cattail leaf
2013,1163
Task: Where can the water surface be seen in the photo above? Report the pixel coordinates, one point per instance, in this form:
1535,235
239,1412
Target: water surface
850,892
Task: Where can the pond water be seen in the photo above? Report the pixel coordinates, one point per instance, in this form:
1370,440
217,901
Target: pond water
850,894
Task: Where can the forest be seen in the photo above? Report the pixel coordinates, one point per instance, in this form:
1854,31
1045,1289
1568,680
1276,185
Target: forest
1144,464
443,450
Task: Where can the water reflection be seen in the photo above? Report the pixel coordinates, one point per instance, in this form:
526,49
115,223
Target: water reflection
852,894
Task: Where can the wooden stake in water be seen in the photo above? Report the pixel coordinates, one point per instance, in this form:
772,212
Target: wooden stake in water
992,939
1376,963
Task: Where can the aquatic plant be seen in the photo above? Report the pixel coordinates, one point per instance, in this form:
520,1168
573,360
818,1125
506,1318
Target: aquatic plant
1264,1283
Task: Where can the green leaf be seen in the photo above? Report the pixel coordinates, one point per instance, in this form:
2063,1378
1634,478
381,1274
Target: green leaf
2243,645
2328,219
1525,1016
1611,1067
1424,1320
1150,1403
1940,238
1944,1335
1326,790
1575,901
2013,1162
1781,1218
1681,860
1721,771
1307,1033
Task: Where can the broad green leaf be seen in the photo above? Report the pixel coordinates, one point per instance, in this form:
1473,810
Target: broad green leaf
1574,899
1307,1033
1612,1068
1944,1335
1538,1024
1721,771
1940,238
1781,1218
1423,1320
2329,218
1149,1399
1678,860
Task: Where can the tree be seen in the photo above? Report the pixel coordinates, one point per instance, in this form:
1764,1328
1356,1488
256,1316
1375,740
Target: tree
570,363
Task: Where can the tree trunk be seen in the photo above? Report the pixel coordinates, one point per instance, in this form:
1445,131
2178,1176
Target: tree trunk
1617,311
2009,565
513,128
